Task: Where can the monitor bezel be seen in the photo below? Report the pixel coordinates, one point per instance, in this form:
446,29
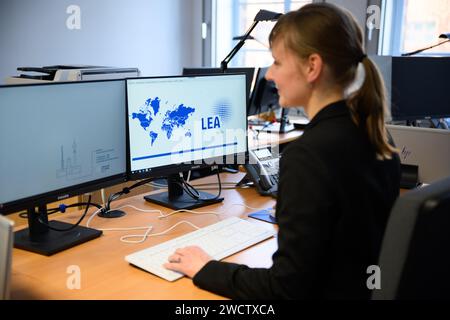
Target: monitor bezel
66,192
200,71
403,112
164,171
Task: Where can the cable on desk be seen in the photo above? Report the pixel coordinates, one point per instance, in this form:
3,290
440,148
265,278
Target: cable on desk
125,190
63,208
193,193
162,216
147,233
148,229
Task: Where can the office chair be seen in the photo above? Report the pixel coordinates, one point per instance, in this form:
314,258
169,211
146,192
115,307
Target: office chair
415,253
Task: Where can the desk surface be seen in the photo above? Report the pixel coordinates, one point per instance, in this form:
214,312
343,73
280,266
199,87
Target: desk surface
104,274
262,138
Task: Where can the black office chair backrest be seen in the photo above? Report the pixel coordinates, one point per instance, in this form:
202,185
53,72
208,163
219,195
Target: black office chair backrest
415,254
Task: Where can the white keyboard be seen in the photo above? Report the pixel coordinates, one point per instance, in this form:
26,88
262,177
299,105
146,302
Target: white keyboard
219,240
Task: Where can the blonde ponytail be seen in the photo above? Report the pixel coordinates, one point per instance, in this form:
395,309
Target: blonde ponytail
307,31
369,109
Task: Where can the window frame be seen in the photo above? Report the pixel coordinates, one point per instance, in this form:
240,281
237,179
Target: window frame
393,17
391,31
210,52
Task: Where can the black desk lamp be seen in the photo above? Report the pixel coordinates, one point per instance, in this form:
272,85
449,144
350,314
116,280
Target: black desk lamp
443,36
251,38
262,15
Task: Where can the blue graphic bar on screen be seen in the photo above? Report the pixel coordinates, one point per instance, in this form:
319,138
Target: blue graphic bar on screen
183,151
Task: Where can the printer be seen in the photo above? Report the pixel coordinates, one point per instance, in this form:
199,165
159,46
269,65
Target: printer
70,73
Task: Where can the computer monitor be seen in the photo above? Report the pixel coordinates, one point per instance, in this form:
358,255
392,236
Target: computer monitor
264,96
417,86
58,140
420,88
177,124
249,75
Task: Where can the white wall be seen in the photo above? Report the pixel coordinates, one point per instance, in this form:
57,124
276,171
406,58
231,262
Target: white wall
357,7
158,37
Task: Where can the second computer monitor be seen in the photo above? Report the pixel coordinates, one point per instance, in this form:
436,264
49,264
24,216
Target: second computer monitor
181,123
58,140
264,96
249,74
417,87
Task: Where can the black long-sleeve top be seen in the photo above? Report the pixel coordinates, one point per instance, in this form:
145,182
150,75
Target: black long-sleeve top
334,200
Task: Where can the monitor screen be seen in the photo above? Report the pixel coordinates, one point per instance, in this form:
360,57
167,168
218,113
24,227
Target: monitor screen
59,140
264,96
249,74
181,123
184,120
419,88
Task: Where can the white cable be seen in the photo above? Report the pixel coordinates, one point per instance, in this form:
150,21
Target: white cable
143,236
123,238
188,176
122,229
146,234
139,209
157,185
149,228
161,216
92,217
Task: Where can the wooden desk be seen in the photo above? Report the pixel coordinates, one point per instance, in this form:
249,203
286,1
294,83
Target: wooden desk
104,272
255,140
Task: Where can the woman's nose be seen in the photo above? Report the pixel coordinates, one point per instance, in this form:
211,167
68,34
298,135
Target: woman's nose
268,75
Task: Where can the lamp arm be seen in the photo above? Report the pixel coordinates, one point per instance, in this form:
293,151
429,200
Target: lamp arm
420,50
224,63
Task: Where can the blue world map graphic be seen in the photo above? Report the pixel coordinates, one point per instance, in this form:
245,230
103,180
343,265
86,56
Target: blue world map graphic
171,119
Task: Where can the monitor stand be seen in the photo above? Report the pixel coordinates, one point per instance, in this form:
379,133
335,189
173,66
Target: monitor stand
40,239
175,198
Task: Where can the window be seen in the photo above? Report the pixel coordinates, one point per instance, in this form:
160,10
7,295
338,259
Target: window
234,17
415,24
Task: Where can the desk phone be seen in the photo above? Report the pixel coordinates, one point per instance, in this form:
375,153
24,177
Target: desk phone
263,170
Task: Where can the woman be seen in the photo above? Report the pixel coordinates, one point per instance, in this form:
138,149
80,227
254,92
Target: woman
338,182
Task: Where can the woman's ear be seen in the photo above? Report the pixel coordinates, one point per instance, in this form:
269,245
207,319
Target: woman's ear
314,67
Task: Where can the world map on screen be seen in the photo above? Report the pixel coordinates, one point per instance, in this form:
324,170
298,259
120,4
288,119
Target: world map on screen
173,117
